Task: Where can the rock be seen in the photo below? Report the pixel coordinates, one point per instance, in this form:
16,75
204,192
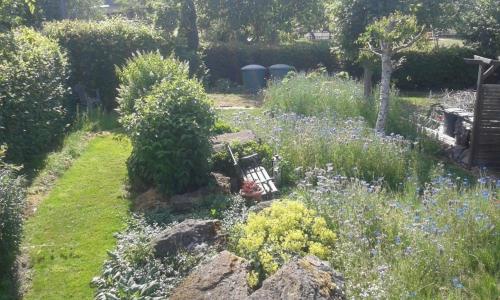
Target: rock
261,206
220,141
186,236
225,277
222,184
152,200
189,201
305,278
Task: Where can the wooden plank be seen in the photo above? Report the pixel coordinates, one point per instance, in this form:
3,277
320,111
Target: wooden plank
477,115
487,61
490,71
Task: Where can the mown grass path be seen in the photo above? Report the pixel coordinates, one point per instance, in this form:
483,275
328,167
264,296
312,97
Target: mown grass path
73,227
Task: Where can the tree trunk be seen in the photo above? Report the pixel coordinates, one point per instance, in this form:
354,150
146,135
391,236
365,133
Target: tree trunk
385,90
368,81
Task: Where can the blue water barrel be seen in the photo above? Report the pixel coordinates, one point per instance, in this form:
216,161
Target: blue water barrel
254,78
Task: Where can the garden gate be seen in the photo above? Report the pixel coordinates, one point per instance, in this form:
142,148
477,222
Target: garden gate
485,138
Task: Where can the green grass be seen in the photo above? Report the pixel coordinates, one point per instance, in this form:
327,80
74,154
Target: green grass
70,234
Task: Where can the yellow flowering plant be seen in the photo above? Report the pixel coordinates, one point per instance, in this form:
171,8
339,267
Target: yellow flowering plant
278,233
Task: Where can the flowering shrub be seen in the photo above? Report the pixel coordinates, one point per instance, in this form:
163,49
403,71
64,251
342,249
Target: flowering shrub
33,93
170,129
251,190
440,242
286,229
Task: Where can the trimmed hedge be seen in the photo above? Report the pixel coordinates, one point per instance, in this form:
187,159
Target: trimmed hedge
12,205
225,60
33,94
441,68
95,48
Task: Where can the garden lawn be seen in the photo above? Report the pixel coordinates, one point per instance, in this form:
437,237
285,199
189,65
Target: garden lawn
70,234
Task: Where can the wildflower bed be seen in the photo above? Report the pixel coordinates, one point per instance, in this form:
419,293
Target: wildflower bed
399,227
440,242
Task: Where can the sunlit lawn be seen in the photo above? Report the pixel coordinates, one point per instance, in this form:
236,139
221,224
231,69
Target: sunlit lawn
70,234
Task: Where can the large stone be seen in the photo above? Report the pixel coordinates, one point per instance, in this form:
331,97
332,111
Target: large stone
261,206
151,201
305,279
225,277
221,183
186,236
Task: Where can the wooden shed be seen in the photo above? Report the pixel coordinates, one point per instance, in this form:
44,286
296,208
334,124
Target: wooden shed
485,138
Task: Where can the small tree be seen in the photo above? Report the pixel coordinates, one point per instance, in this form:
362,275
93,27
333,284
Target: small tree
386,37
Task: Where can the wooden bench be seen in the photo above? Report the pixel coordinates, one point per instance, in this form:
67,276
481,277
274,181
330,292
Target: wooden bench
250,169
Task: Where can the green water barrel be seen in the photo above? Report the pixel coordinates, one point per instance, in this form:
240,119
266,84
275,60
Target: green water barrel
278,72
254,78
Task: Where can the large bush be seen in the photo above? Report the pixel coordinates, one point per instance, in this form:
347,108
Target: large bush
442,68
140,75
33,93
95,48
12,203
170,129
275,235
225,60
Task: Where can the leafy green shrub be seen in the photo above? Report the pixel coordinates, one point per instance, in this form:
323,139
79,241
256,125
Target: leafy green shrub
315,94
12,204
225,60
286,229
223,163
95,48
33,93
140,75
222,127
170,130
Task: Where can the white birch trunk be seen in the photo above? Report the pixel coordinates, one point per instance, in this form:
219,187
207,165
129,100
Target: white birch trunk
385,89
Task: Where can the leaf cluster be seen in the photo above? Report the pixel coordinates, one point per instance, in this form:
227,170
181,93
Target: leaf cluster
170,124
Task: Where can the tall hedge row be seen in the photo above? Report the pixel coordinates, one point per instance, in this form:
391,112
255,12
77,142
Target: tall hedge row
437,69
443,68
12,205
33,93
95,48
225,60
